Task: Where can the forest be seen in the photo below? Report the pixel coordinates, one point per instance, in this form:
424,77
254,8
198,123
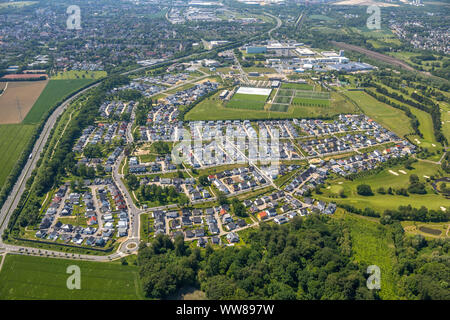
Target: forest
310,258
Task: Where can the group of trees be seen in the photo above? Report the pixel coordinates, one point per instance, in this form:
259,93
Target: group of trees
238,208
415,185
163,195
161,147
142,110
306,259
422,275
364,190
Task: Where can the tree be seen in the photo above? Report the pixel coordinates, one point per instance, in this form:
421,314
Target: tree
364,190
222,199
238,208
132,181
204,181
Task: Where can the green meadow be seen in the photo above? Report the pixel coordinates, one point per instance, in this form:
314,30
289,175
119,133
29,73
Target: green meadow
393,119
26,277
13,139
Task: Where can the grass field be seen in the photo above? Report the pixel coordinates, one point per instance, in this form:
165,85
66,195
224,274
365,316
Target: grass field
386,179
279,107
311,102
55,91
24,277
445,117
298,86
247,101
241,104
391,118
214,109
425,124
372,246
13,139
74,74
281,99
312,94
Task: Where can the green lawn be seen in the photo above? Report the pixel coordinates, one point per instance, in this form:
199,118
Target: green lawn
249,97
13,139
25,277
393,119
54,92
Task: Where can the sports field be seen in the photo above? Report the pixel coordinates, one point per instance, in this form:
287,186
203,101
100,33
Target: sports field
25,277
298,86
13,138
279,107
247,101
55,91
311,102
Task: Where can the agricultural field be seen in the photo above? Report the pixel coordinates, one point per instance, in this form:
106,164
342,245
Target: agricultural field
55,91
13,139
29,278
393,119
395,177
75,74
18,99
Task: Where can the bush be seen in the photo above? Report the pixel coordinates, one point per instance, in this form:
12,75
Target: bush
364,190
